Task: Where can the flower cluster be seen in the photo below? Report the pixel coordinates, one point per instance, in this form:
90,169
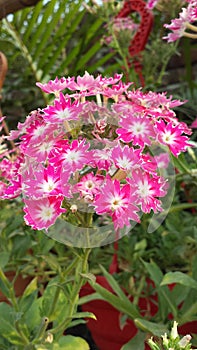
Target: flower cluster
89,152
173,341
183,25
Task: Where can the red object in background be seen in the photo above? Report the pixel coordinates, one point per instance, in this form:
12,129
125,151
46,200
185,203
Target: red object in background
140,38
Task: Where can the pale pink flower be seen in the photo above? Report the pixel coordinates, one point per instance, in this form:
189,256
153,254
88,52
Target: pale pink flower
42,213
102,159
105,81
147,189
116,201
179,25
171,136
89,185
162,160
62,110
138,130
55,86
44,182
85,83
126,158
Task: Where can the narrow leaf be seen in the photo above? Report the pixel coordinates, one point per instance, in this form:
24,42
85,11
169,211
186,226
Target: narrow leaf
179,277
151,327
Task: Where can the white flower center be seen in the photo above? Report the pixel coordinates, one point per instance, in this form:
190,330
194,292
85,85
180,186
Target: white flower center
89,184
48,186
138,128
45,213
168,138
143,189
123,162
65,114
72,156
116,203
39,130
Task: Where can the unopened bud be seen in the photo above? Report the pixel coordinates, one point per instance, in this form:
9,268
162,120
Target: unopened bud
184,341
174,332
73,208
49,338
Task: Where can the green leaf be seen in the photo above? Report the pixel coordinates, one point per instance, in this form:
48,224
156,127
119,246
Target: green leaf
70,342
84,315
89,297
166,303
32,287
179,277
151,327
124,306
7,329
32,316
112,282
136,343
4,258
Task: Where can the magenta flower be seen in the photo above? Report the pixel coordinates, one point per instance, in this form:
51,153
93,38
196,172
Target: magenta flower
138,130
74,157
42,213
126,158
151,4
55,86
62,110
89,186
147,189
115,200
171,136
194,124
43,182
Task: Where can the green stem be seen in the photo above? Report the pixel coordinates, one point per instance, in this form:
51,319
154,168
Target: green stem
41,331
79,280
58,289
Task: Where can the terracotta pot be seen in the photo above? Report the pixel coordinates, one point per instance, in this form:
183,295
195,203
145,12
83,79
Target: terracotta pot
19,286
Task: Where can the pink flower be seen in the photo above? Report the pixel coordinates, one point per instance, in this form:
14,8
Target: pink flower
62,110
85,83
55,86
137,130
126,158
194,124
42,213
116,201
162,160
75,157
89,185
151,4
171,136
179,25
43,182
147,189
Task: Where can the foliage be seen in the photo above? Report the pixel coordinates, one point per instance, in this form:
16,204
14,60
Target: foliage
68,46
